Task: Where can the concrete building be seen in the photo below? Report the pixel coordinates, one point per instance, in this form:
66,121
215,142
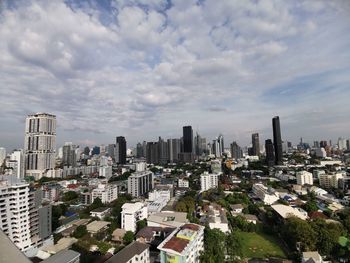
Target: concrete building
217,219
267,195
106,192
183,245
167,219
209,181
105,171
18,157
131,214
39,144
2,155
330,180
183,183
23,217
156,194
100,212
304,177
140,183
69,157
134,252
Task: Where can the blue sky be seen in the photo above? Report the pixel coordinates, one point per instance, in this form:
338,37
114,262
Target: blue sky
145,68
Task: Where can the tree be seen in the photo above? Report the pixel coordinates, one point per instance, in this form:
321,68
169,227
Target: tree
141,224
214,246
310,206
299,233
97,203
128,237
69,196
80,231
233,247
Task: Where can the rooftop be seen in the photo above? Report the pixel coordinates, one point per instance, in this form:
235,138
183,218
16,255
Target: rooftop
100,210
9,251
174,219
176,244
131,250
96,226
286,211
62,256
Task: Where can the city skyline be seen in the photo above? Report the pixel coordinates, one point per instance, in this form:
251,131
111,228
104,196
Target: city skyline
206,64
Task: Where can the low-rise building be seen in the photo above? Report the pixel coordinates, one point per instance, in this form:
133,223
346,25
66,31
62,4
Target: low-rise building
97,226
311,257
267,195
167,219
285,211
217,219
131,214
183,245
67,256
118,235
183,183
237,208
134,252
100,212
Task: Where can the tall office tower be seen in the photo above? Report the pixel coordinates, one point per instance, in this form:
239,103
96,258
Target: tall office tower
174,148
2,155
121,149
140,183
221,144
188,139
40,144
139,150
277,141
87,151
316,144
236,151
348,144
203,145
69,158
111,150
18,157
152,153
216,148
270,153
255,144
163,151
197,145
323,144
341,143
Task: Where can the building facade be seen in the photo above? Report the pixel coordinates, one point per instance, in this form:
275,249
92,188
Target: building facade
132,213
39,144
140,183
209,181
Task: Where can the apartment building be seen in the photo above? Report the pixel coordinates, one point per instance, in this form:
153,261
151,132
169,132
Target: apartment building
106,192
131,214
209,181
140,183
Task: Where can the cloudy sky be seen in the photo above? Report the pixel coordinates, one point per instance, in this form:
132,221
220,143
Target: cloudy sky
146,68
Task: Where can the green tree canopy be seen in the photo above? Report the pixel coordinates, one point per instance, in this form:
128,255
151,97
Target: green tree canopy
128,237
80,231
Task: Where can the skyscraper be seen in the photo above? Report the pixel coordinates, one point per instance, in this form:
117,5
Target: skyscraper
277,140
121,150
163,151
39,144
255,144
270,155
236,151
188,139
152,152
174,148
221,144
69,156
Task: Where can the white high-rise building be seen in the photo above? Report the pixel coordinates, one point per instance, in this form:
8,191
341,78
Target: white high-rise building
39,144
18,156
131,214
209,181
304,177
140,183
2,155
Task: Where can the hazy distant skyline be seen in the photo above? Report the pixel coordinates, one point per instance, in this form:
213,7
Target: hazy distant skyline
143,69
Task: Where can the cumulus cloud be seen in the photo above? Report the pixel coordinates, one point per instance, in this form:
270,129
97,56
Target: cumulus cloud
145,68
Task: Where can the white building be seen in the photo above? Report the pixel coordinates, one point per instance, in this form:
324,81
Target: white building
18,156
304,177
140,166
2,155
321,152
105,171
106,192
267,195
217,219
39,144
140,183
330,180
131,214
209,181
100,212
156,194
23,219
185,244
183,183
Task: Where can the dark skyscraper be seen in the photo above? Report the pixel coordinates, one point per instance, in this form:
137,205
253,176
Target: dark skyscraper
277,140
255,144
236,151
188,139
270,155
121,150
152,153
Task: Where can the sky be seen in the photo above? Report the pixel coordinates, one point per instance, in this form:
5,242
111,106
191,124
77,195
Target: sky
143,69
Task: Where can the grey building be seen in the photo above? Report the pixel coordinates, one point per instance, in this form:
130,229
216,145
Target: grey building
255,144
174,148
277,140
270,153
69,156
152,153
121,150
140,183
236,151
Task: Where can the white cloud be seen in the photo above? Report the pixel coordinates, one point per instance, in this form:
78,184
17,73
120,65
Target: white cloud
150,66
